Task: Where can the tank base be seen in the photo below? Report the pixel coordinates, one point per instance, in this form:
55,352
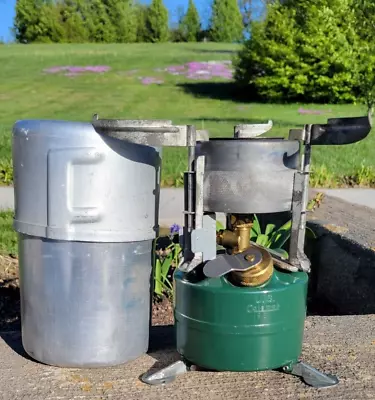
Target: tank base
307,373
223,327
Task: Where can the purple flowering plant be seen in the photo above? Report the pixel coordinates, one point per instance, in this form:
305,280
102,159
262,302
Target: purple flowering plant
194,70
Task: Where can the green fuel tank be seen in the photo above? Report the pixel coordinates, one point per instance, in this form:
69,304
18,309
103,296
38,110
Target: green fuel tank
223,327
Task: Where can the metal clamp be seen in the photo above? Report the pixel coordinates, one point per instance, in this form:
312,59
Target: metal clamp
251,131
156,133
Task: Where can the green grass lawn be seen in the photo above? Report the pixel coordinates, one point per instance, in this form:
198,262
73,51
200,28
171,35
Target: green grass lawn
27,92
8,237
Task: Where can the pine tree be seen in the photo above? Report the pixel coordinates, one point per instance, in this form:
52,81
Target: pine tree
27,19
157,22
226,21
141,11
74,16
190,25
50,27
102,29
123,18
303,51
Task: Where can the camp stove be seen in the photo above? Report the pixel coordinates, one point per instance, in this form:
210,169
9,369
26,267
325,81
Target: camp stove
240,306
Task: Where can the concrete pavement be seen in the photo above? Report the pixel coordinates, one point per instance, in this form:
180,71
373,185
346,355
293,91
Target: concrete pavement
6,198
341,345
361,197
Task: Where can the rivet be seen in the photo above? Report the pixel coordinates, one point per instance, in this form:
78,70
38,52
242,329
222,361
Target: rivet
250,257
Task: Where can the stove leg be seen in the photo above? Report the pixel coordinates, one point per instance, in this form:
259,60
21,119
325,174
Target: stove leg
311,376
166,375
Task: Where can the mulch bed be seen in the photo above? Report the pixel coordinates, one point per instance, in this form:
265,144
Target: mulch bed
162,310
9,294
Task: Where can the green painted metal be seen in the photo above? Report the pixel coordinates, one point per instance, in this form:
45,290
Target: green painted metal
226,328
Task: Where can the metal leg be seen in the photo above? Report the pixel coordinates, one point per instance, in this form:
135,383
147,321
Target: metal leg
166,375
311,376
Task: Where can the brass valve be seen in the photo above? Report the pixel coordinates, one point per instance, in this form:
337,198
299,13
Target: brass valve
260,269
258,272
238,240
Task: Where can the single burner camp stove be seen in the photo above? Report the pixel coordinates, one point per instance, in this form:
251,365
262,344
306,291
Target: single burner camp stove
240,306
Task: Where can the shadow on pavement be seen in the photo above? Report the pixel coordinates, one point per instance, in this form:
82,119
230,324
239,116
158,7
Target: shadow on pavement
14,341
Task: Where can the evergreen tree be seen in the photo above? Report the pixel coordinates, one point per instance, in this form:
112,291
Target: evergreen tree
365,12
190,25
141,11
27,20
123,18
302,51
101,27
74,17
50,27
157,22
226,21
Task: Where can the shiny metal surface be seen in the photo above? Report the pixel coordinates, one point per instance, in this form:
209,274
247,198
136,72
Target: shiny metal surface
74,184
311,376
84,304
249,175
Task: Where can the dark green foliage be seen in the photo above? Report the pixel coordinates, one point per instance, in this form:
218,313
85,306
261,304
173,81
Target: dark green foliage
190,25
365,15
72,14
226,21
123,18
303,51
176,35
102,31
76,21
157,22
50,28
141,18
27,20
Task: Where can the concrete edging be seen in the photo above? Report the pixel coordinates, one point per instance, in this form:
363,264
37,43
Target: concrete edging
343,262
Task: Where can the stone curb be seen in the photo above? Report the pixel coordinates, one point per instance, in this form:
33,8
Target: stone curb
343,262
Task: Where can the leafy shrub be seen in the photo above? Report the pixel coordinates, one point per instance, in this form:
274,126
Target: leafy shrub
166,260
303,51
6,172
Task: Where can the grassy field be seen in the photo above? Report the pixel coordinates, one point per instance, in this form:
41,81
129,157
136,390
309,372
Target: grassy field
27,92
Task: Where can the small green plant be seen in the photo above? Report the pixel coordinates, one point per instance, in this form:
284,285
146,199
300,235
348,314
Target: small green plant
179,181
364,176
165,261
272,238
6,172
275,239
322,177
